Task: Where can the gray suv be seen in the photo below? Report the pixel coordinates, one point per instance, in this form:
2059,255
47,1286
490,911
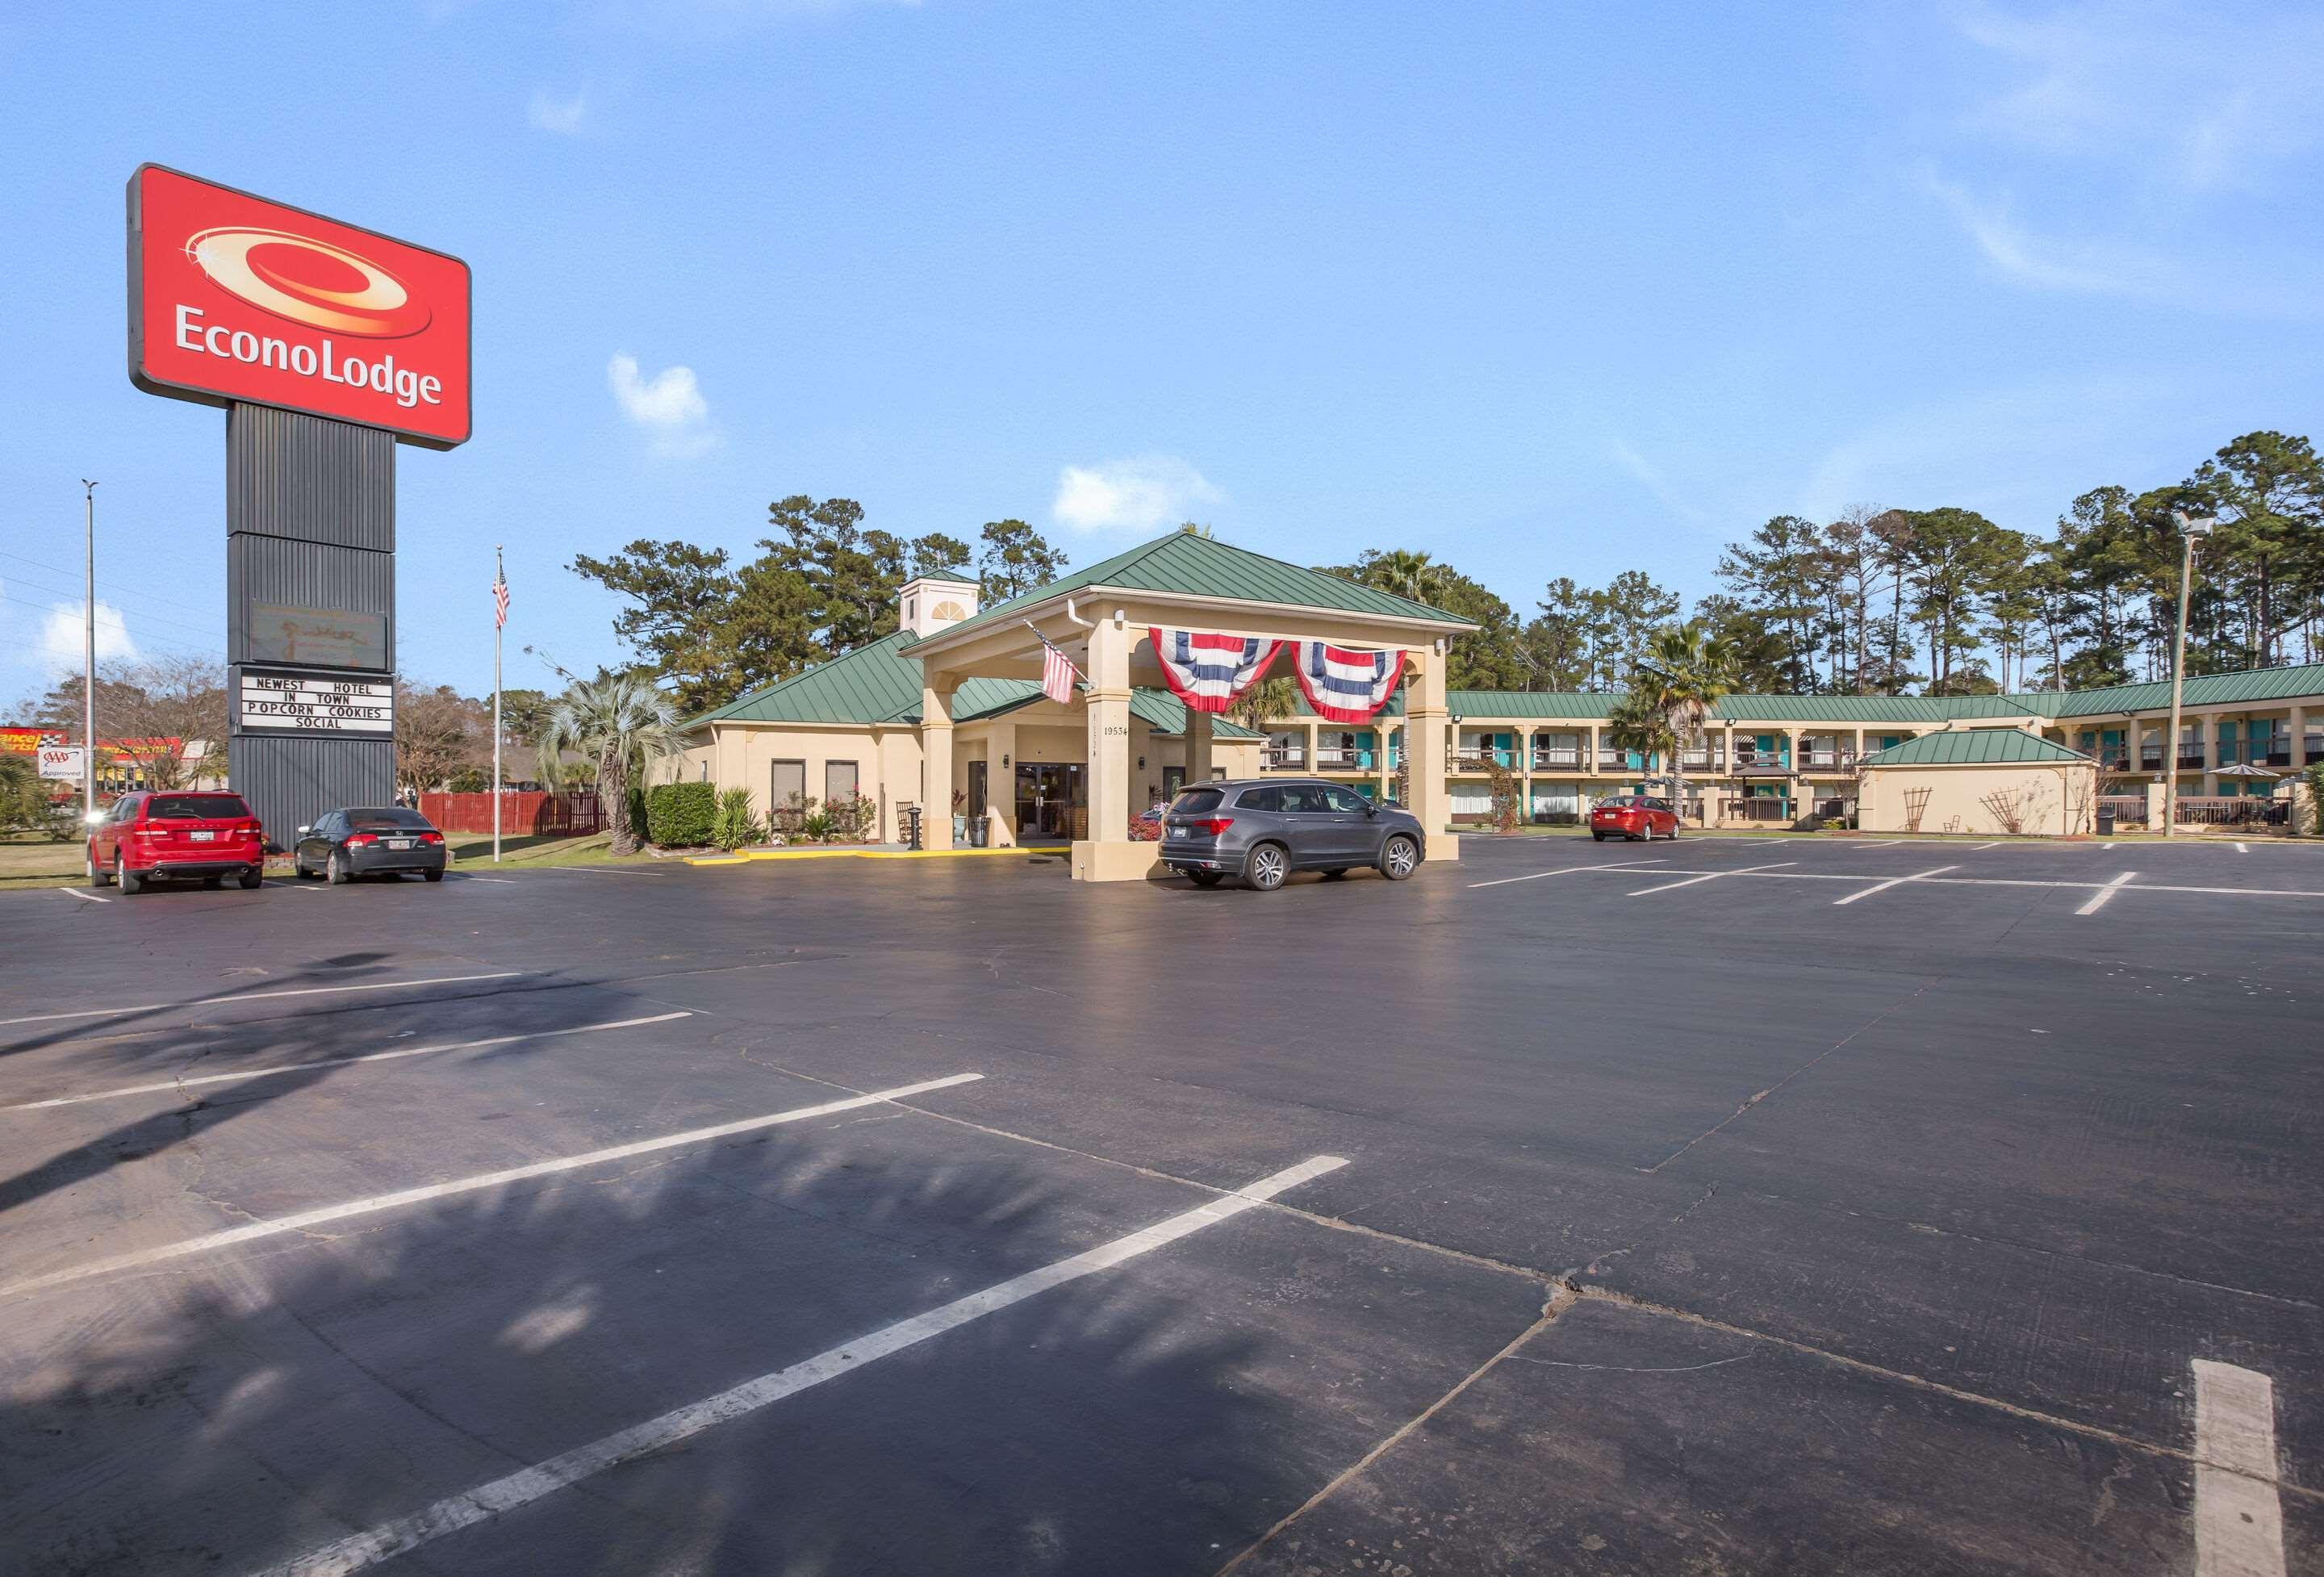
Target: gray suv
1263,831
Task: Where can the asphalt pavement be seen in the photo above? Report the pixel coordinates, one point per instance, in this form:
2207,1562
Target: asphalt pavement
1724,1206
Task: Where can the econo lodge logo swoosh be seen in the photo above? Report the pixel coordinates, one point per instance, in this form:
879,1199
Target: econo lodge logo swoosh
307,281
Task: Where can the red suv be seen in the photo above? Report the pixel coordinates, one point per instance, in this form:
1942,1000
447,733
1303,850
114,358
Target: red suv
1634,815
185,832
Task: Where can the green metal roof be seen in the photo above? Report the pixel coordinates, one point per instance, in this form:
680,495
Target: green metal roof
2253,686
1192,566
1971,747
878,683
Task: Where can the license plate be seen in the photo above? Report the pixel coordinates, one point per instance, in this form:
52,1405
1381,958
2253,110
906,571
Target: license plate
203,837
398,843
1178,829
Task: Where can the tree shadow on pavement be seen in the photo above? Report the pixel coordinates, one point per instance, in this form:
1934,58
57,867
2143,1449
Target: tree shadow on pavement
248,1406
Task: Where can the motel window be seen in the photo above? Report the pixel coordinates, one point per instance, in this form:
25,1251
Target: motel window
786,794
839,782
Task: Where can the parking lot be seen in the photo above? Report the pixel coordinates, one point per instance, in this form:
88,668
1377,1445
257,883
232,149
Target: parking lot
1728,1205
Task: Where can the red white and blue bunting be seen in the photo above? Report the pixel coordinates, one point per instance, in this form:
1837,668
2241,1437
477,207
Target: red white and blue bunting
1208,671
1343,684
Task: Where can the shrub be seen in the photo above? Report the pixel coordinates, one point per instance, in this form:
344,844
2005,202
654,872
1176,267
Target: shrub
1142,831
679,816
852,818
816,827
733,823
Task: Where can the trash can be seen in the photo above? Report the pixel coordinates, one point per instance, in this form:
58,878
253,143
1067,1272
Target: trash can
2106,821
911,827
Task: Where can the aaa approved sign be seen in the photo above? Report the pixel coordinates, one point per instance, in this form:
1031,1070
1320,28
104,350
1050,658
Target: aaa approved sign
233,298
62,761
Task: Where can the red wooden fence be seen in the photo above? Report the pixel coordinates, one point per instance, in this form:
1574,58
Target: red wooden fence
522,816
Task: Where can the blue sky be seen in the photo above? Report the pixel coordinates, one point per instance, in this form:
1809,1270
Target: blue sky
1545,290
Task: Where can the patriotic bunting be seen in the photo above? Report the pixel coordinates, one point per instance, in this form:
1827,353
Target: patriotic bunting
1206,671
1342,683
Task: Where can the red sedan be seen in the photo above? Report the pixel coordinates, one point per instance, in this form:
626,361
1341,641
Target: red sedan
192,834
1634,815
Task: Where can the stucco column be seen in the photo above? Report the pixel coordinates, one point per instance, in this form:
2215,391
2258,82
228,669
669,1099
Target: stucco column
1106,701
1424,736
2130,744
1801,792
2209,724
2298,722
1199,736
1589,767
935,759
1307,762
1860,750
999,806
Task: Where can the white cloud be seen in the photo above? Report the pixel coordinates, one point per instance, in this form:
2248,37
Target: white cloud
1671,499
2199,96
669,405
1138,493
564,117
63,629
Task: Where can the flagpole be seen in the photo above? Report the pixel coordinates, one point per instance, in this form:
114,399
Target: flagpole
500,575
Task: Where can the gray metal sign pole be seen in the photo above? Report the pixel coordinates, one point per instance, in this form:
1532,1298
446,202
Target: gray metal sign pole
310,615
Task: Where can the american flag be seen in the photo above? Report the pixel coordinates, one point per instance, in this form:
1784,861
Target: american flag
499,592
1057,673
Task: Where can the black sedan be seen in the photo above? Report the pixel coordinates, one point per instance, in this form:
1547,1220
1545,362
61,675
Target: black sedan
347,844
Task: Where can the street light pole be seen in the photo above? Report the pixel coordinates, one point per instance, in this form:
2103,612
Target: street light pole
89,667
2189,530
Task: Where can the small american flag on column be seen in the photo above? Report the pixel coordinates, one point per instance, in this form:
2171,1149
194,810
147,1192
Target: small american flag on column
1058,670
499,592
1056,674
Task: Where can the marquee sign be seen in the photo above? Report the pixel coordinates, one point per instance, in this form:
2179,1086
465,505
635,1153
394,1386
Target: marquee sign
233,298
277,700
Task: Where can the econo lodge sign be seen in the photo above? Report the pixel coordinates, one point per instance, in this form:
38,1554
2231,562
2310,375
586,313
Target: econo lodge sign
233,298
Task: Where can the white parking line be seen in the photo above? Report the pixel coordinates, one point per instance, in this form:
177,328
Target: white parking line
1884,844
1996,844
1893,881
505,881
2238,1512
76,892
376,985
331,1212
333,1062
2242,848
390,1539
1563,869
1708,876
2097,901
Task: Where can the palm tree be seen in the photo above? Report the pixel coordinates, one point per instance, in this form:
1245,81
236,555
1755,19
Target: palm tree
1265,701
1684,674
1637,722
622,722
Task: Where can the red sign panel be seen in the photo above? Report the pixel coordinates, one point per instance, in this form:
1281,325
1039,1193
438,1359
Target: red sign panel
232,297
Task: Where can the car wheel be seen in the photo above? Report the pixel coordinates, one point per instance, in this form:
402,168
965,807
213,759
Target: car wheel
336,871
433,875
128,880
1596,837
1398,858
1265,868
99,876
251,880
1204,878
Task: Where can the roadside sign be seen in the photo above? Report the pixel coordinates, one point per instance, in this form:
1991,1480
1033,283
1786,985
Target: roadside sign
62,761
295,703
233,298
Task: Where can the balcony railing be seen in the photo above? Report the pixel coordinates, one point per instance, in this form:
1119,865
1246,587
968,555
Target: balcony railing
1556,758
1284,755
1828,760
1471,759
1331,758
2239,810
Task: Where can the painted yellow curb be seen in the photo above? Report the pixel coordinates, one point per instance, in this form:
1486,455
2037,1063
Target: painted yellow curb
745,859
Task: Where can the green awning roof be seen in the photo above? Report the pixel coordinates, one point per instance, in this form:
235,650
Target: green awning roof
1973,747
1184,563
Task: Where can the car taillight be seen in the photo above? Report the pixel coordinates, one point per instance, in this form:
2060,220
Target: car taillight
432,837
357,839
1212,824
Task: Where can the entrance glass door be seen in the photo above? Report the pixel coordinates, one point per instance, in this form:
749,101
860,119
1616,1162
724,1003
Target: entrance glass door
1052,802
